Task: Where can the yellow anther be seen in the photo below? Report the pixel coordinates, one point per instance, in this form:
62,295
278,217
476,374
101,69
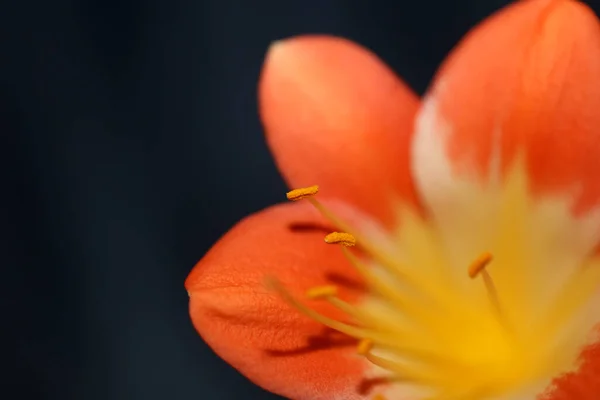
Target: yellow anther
364,346
302,193
379,397
479,264
322,292
477,268
343,238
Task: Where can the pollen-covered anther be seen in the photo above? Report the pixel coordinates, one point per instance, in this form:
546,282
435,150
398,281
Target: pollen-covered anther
379,397
302,193
322,292
364,347
342,238
478,267
479,264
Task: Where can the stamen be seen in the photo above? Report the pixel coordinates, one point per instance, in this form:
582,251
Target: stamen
357,332
477,268
388,292
343,238
391,264
329,294
352,331
404,372
377,283
302,193
383,363
348,309
364,347
396,342
322,292
379,397
479,264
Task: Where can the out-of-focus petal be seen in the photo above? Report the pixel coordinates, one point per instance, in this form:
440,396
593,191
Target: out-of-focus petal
523,83
518,101
258,333
583,384
336,116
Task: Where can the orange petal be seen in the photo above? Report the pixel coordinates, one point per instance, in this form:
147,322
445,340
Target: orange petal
525,82
253,329
336,116
583,384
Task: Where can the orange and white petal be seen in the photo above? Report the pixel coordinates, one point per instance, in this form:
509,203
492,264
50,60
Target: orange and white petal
505,154
510,129
336,116
523,83
584,384
258,333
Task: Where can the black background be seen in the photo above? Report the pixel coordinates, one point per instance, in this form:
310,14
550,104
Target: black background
128,129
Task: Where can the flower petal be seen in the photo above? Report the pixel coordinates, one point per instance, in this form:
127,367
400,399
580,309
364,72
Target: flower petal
336,116
506,152
516,95
258,333
523,83
519,87
583,384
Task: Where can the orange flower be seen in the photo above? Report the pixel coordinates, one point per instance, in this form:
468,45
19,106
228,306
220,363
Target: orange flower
475,214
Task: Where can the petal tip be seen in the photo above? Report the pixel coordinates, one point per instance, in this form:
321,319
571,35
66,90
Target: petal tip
274,47
287,50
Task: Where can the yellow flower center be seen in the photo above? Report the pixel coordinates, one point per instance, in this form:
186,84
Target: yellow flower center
454,338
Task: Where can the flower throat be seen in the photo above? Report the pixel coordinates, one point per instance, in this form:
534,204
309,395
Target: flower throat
420,329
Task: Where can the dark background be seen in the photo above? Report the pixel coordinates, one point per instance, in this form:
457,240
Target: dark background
128,129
